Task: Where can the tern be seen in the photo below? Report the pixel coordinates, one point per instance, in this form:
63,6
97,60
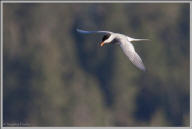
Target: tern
124,42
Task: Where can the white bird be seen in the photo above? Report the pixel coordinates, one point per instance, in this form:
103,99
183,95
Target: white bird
124,42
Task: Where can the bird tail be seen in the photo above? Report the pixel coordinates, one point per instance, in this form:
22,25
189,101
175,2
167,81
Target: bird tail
140,39
133,39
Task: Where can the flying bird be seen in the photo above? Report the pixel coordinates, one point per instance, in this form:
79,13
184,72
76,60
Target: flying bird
124,42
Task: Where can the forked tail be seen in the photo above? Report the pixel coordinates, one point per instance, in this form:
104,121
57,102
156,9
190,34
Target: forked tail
140,39
132,39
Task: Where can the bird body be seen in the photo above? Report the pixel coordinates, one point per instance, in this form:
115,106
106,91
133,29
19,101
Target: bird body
124,42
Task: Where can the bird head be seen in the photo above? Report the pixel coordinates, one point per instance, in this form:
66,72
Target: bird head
106,39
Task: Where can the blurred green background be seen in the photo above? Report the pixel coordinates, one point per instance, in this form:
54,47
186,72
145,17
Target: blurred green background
54,76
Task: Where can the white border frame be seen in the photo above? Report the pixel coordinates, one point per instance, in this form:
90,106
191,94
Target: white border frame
86,1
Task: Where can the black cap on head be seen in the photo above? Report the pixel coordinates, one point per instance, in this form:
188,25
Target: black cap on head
105,37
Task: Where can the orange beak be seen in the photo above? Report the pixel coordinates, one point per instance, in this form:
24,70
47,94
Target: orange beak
102,43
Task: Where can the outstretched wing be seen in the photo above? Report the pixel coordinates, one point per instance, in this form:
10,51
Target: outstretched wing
130,52
90,32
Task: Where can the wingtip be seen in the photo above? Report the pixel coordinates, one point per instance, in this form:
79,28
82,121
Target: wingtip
143,69
77,30
80,31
